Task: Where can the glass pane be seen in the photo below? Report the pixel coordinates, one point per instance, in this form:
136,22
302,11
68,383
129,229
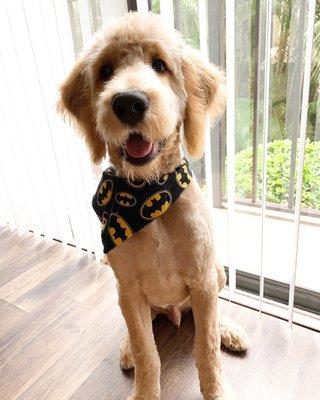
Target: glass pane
75,21
289,20
75,26
287,66
308,273
186,20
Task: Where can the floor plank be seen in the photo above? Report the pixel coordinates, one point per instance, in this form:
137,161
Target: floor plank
9,317
27,280
15,265
61,327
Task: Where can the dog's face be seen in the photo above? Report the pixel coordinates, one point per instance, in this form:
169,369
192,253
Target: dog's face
134,88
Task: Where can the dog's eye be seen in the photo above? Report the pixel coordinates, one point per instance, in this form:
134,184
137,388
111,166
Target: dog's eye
105,72
159,65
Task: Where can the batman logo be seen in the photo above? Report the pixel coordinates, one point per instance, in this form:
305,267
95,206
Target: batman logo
104,220
183,178
119,230
156,205
125,199
136,184
105,193
163,179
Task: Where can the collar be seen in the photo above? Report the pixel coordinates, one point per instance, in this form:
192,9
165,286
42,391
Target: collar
124,207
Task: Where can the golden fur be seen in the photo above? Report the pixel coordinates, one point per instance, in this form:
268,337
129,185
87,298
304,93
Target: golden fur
171,263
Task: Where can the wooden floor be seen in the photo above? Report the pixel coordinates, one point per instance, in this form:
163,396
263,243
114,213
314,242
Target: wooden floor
60,329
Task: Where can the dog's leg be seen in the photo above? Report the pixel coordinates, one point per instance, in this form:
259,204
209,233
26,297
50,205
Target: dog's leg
207,339
137,314
233,336
126,357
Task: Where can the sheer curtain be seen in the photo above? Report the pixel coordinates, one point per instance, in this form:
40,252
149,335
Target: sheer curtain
46,179
258,157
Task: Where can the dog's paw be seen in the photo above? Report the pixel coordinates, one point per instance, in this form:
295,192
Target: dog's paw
233,335
221,390
227,395
126,357
126,361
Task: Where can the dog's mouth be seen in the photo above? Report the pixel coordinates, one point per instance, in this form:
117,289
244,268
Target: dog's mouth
138,150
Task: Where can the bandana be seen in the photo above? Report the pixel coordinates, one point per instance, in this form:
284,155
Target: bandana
124,207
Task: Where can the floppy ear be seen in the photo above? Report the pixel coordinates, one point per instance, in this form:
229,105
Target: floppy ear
75,102
205,88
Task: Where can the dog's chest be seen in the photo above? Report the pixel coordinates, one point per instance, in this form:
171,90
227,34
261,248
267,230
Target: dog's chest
168,252
152,261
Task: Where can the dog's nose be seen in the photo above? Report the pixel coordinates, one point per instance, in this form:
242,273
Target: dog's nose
130,106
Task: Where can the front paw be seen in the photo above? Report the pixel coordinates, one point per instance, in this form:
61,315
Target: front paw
224,392
145,393
233,336
126,357
228,394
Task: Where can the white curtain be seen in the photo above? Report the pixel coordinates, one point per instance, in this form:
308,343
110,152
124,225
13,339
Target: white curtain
46,178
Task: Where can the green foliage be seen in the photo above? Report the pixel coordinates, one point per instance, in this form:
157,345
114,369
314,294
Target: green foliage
155,6
244,122
287,19
188,20
279,149
315,74
278,173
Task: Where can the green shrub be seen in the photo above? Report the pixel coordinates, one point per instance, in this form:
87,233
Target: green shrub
278,173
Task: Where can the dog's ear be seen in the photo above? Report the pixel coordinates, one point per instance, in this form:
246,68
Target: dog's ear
75,102
205,88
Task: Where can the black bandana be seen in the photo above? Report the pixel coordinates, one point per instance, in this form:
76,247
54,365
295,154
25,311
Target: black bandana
125,207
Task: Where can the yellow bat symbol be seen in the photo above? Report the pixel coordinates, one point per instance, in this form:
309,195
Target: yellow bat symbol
105,193
125,199
163,179
156,205
119,230
183,178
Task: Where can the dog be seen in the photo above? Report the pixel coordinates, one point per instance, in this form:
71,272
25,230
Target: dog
137,93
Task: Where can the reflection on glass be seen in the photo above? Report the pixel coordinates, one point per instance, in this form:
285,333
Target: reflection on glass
287,66
288,44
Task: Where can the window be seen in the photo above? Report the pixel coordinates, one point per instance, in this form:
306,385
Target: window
287,63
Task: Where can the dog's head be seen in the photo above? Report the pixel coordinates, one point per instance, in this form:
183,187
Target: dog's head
132,91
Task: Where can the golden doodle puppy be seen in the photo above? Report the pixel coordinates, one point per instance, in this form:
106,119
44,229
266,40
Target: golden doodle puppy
135,94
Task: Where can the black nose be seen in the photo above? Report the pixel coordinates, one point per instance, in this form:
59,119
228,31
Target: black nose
130,106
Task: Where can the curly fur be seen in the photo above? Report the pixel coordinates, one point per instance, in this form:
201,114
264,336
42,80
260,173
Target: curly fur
170,264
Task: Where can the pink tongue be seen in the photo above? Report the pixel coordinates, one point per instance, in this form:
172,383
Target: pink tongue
137,146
